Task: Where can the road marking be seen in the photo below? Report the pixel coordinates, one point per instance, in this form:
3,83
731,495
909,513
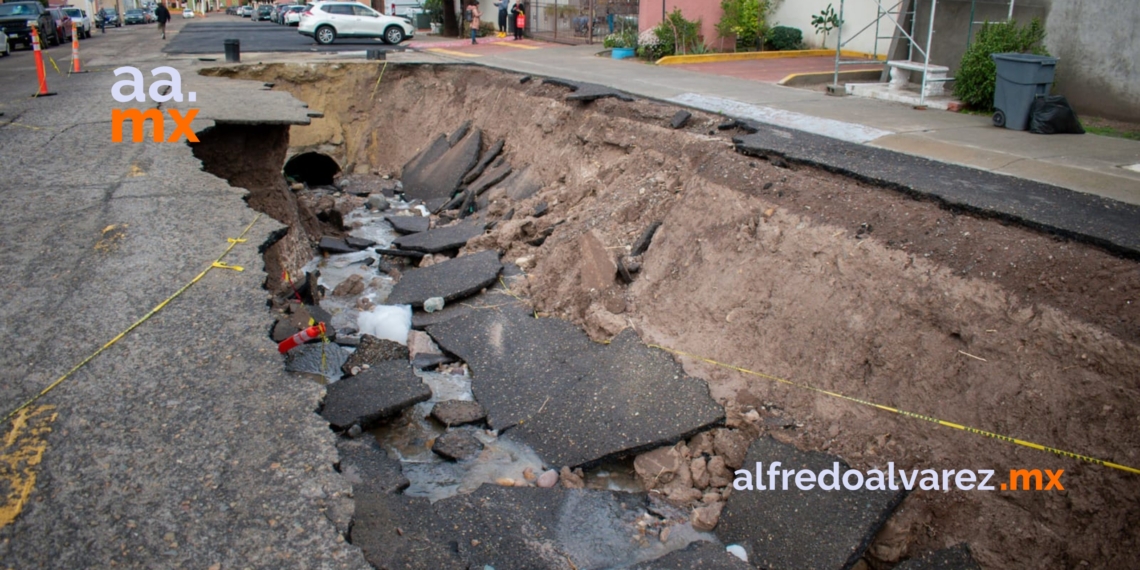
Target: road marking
514,45
452,52
850,132
22,452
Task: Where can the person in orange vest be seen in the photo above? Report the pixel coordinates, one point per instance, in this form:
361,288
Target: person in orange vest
163,16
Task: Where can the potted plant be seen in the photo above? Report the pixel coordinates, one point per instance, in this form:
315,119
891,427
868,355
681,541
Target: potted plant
622,44
435,9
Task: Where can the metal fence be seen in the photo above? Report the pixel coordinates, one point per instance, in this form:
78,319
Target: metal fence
578,21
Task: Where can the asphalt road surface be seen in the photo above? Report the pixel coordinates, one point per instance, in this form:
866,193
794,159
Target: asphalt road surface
208,35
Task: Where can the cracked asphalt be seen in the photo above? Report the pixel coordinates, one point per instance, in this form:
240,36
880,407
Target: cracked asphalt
185,444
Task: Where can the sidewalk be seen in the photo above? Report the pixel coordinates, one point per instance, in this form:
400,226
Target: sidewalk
1089,163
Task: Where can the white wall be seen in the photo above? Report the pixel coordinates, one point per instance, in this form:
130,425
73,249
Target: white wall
856,15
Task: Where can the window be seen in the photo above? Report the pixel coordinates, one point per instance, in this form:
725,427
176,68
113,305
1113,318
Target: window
364,11
339,9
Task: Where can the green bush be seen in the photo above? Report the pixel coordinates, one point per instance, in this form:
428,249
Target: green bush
627,38
745,20
675,35
977,76
784,38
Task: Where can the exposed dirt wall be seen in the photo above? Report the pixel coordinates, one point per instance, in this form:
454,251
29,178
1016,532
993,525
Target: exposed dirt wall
809,276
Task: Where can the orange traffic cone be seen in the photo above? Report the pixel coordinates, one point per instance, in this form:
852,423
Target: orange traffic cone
43,90
75,49
313,332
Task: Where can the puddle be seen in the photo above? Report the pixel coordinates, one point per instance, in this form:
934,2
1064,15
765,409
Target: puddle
614,476
409,438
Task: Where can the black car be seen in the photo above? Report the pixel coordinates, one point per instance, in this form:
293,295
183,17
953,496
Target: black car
14,18
109,17
262,12
135,16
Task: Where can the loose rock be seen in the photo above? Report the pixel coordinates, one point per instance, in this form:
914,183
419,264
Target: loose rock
354,285
457,445
572,479
706,518
680,119
378,202
458,412
548,479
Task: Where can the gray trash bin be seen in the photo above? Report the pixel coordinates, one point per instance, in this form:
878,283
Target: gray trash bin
1021,77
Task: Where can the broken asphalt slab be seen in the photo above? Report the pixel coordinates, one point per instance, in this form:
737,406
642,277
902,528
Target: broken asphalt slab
409,224
439,179
367,467
511,528
379,392
587,91
522,184
1085,217
575,402
452,279
440,239
371,350
802,529
398,531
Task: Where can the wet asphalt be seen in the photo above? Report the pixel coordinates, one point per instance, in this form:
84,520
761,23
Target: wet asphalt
207,36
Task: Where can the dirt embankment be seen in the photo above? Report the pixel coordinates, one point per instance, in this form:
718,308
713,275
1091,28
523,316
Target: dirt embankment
809,276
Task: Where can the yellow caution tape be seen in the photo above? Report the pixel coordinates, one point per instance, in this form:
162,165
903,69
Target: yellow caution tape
217,263
976,431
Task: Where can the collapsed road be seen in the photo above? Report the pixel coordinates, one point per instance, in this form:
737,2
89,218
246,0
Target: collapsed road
570,256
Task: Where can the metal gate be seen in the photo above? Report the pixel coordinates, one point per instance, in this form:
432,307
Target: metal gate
566,21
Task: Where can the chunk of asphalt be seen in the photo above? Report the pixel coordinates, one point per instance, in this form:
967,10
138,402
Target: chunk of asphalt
400,253
431,153
398,531
282,329
409,224
1085,217
440,239
457,445
802,529
703,555
441,178
680,119
522,184
491,177
324,358
495,296
957,557
485,160
453,279
459,133
642,243
530,527
367,467
593,402
372,350
379,392
334,245
458,412
587,92
358,243
429,361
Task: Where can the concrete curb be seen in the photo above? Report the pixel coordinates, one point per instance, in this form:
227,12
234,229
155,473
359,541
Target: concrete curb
746,56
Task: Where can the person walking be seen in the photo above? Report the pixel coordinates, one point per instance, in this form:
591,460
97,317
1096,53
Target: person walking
472,16
610,16
518,11
504,7
163,16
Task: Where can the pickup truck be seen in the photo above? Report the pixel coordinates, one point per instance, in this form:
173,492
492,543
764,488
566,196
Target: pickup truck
15,18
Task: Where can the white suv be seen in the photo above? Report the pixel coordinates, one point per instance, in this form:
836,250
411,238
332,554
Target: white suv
327,21
82,22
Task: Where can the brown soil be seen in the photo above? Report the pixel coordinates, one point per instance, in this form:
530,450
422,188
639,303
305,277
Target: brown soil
814,277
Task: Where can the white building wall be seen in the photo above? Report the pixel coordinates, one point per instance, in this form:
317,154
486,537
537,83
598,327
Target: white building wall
856,15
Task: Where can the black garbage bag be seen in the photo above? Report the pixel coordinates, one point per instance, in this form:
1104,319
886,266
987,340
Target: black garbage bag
1051,115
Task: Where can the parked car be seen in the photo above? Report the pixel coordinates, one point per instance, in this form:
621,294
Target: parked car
110,17
262,12
81,19
62,24
292,16
327,21
150,16
134,16
247,11
187,14
15,18
5,49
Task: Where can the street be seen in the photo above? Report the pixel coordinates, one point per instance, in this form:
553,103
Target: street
201,36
